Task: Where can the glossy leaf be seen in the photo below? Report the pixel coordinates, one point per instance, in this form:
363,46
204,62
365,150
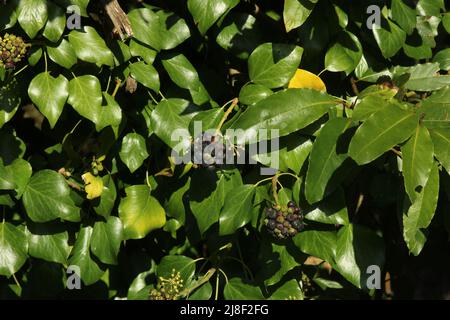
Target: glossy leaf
236,289
161,30
380,132
106,240
48,241
85,96
237,209
207,12
325,159
145,74
13,249
89,46
345,54
418,214
47,197
140,212
49,94
133,151
90,271
441,141
273,65
417,155
33,15
296,109
63,54
296,12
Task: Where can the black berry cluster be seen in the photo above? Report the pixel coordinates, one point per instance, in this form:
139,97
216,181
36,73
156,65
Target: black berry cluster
209,150
12,50
284,222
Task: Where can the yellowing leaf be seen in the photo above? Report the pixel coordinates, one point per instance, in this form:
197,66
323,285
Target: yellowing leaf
306,79
93,185
140,212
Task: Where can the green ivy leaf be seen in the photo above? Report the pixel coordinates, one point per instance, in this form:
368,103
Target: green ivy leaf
89,46
13,249
63,54
275,260
85,96
90,271
404,15
390,38
184,75
332,210
56,23
207,12
345,54
237,210
171,115
240,35
236,289
321,244
253,93
358,248
20,172
44,86
110,114
145,74
138,49
48,241
133,151
161,30
273,65
47,197
33,15
174,263
108,197
106,239
140,212
289,290
296,12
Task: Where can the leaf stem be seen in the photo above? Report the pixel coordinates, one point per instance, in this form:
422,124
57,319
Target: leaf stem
118,83
23,68
45,60
234,102
199,283
274,189
16,281
224,274
216,296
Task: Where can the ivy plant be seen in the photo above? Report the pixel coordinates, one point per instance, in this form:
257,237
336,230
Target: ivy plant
335,132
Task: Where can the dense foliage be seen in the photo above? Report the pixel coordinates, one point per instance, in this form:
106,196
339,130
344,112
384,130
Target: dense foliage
89,181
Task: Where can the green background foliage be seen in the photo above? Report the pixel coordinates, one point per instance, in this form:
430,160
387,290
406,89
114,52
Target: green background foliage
368,161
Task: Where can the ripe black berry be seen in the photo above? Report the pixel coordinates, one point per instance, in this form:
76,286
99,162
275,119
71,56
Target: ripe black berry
284,221
209,150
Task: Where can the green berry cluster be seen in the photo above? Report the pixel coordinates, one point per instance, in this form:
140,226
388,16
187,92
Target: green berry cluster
12,50
284,222
168,289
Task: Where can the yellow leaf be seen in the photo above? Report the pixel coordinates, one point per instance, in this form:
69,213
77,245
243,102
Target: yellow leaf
306,79
93,185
